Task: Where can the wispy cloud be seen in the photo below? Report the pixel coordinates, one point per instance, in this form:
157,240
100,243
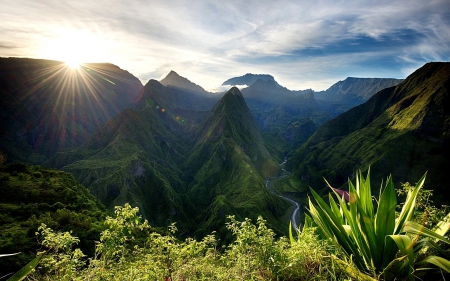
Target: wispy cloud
304,44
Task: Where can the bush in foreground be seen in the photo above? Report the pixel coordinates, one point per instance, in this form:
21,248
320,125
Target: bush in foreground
256,254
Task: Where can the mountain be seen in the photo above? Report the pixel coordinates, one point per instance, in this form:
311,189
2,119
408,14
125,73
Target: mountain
160,160
173,80
47,106
403,130
279,110
351,92
135,158
227,167
248,79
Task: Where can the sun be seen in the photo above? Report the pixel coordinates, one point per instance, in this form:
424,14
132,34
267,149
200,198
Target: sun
75,47
73,62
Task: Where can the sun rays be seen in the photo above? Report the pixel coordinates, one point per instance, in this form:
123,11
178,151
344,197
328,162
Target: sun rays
71,101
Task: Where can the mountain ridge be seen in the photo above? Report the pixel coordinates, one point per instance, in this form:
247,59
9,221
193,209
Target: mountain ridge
402,129
227,166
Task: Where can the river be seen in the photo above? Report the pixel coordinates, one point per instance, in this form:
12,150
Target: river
295,216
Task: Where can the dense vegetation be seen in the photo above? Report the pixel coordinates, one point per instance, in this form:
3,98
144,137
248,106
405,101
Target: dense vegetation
32,195
339,241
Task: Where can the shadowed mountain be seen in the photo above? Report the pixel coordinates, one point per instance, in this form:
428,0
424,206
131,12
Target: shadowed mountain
163,162
188,95
47,106
135,158
227,166
173,80
403,130
183,111
249,78
279,111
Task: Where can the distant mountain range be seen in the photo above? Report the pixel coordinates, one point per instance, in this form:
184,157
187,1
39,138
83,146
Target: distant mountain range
351,92
188,156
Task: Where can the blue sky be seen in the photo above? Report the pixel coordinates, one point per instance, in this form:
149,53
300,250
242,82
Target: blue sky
303,44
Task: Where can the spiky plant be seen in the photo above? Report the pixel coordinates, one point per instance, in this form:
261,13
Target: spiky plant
371,236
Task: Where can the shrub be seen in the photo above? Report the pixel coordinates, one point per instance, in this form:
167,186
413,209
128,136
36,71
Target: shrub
374,236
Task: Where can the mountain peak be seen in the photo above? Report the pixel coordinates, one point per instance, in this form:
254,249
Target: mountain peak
234,91
174,80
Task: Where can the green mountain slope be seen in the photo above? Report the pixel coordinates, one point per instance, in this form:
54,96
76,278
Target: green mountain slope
134,158
47,106
403,130
227,166
32,195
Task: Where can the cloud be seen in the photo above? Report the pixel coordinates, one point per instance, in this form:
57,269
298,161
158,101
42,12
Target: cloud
225,88
303,44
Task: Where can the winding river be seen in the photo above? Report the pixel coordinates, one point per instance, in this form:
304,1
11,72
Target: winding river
295,216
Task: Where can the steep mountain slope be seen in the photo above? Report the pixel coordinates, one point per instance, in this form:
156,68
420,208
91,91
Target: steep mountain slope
403,130
45,106
135,158
227,167
140,157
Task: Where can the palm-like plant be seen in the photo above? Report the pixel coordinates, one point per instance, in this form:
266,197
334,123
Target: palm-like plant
371,236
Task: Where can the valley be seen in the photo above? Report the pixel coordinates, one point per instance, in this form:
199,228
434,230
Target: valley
185,155
295,217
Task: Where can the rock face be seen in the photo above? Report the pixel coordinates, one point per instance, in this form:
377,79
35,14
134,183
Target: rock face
403,130
47,106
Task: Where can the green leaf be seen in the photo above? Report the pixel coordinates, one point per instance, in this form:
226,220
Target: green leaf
443,226
406,247
397,267
418,229
385,222
326,220
24,271
291,237
408,208
351,270
437,261
335,209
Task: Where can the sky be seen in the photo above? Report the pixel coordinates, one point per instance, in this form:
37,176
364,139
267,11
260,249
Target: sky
303,44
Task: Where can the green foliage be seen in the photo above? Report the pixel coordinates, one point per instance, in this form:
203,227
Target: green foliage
113,240
62,262
32,195
373,236
25,271
255,254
